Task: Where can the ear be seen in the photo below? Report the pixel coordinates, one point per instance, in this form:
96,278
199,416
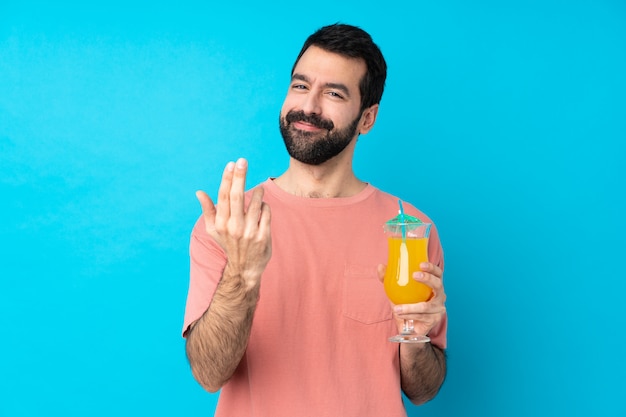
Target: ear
368,118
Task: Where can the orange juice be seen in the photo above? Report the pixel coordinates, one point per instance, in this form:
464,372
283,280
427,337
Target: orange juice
404,260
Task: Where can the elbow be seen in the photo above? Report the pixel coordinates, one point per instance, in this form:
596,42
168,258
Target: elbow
209,369
208,383
211,388
423,398
423,384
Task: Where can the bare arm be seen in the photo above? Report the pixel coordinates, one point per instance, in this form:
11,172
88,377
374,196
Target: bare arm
217,341
422,371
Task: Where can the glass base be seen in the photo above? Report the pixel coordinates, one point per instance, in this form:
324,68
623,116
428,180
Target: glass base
409,338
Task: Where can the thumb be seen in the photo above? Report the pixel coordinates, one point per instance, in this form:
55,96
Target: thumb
208,208
381,272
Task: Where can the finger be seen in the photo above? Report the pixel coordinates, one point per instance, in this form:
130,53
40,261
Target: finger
264,223
381,269
223,194
438,294
208,208
208,213
253,214
432,269
426,308
431,280
430,275
237,191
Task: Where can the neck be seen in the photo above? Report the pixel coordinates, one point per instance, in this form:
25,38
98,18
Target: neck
332,179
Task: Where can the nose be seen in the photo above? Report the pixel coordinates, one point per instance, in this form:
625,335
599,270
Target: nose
311,104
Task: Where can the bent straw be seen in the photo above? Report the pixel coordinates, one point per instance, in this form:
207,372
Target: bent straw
402,222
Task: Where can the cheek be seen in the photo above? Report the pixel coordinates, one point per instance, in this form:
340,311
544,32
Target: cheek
286,107
291,101
343,122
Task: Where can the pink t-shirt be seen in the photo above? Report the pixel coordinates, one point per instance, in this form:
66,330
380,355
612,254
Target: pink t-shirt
318,345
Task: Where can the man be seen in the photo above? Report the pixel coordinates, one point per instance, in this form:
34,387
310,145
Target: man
287,316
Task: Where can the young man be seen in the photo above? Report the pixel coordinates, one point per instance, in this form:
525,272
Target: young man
287,316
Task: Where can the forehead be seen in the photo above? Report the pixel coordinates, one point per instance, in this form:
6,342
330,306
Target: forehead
319,65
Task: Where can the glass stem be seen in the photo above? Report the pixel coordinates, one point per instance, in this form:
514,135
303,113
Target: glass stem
407,327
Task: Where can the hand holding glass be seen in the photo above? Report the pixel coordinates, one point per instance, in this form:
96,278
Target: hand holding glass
407,238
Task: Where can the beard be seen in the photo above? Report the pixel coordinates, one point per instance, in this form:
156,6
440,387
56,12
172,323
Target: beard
315,148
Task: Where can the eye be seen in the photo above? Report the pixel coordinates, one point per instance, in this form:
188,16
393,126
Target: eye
335,94
298,87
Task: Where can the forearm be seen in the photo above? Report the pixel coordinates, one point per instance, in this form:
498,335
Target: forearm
217,341
422,371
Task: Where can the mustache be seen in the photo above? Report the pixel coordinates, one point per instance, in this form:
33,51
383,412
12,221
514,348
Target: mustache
313,119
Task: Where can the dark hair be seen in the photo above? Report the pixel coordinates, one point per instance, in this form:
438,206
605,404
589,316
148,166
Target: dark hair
353,42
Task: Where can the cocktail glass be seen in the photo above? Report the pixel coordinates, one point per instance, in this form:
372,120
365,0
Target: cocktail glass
407,238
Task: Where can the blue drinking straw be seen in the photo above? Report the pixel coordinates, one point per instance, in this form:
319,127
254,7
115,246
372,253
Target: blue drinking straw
402,223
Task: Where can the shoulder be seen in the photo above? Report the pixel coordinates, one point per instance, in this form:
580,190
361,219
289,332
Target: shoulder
390,203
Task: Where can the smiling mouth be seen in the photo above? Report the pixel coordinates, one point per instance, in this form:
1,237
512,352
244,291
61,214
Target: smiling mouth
307,127
308,122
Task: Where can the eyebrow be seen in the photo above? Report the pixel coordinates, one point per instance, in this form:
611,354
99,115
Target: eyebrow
337,86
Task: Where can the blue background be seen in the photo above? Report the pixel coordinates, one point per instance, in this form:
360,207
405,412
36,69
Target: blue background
504,121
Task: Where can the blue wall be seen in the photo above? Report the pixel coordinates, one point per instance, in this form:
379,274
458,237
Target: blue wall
112,115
